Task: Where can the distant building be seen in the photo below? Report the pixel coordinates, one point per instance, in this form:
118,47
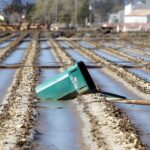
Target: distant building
116,17
141,4
141,16
137,12
2,18
128,8
134,17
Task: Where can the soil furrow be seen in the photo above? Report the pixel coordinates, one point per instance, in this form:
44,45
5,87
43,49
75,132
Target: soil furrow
94,131
132,79
17,114
5,52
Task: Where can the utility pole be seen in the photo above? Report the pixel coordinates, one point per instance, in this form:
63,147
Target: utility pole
56,13
76,12
45,13
90,9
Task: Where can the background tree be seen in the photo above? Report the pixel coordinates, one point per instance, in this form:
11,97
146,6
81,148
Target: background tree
83,12
14,8
30,9
105,7
46,10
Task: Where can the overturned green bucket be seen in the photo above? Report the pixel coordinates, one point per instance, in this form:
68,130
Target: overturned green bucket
68,84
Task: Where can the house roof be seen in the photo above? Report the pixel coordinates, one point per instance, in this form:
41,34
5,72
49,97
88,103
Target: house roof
140,12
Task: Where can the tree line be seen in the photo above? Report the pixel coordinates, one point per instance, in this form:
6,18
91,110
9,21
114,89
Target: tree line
69,11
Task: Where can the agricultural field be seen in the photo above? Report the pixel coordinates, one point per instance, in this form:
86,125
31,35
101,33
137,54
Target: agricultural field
118,63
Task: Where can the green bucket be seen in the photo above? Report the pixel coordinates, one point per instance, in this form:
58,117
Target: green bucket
68,84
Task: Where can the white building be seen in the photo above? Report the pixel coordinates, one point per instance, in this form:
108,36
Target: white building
140,16
2,18
137,12
128,9
116,17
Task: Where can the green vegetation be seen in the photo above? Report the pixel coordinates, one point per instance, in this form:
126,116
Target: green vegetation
83,12
72,10
19,8
61,11
67,11
14,8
